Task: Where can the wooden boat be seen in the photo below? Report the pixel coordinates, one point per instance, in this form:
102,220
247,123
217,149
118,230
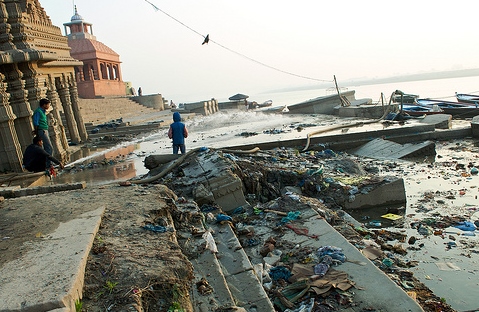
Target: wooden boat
418,110
323,104
467,98
406,98
456,109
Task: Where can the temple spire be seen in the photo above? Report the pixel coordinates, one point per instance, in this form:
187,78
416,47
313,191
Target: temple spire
78,28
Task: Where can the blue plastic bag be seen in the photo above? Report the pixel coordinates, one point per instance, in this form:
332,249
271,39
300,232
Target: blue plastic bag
466,226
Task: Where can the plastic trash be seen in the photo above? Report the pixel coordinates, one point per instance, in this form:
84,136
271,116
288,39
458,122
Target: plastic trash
210,241
322,268
375,223
335,253
466,226
155,228
292,215
391,216
388,262
279,272
222,217
474,170
353,190
232,157
328,180
304,307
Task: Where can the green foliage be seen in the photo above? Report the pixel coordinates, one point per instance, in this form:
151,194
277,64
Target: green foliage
176,307
78,305
110,286
99,240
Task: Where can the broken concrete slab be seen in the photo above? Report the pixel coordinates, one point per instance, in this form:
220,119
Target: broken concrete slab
55,265
475,126
441,121
384,149
214,172
18,192
392,192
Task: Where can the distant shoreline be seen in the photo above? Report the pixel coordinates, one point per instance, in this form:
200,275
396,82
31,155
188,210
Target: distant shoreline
395,79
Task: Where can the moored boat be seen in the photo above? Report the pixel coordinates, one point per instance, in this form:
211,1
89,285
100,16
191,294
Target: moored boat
406,98
323,104
467,98
418,110
456,109
265,104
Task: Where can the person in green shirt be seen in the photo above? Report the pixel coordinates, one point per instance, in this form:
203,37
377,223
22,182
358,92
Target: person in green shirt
40,127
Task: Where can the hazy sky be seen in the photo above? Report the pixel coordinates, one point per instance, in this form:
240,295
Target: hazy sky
317,39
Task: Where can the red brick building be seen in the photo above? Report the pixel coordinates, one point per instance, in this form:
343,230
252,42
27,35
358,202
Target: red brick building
100,74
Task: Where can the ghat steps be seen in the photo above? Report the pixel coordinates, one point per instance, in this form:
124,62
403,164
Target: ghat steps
98,111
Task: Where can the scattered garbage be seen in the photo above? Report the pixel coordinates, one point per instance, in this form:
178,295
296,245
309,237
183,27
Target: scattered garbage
466,226
210,242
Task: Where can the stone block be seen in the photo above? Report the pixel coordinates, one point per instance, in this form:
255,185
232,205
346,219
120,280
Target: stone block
475,126
440,121
391,192
202,195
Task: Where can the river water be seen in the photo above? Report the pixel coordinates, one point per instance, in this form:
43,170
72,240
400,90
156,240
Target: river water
452,273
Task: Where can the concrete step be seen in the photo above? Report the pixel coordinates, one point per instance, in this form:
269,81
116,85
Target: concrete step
242,280
98,111
227,272
384,149
233,272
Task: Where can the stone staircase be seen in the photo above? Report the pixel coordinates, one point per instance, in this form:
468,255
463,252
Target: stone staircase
228,271
230,280
98,111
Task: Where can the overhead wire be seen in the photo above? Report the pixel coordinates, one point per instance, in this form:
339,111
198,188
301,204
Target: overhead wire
236,52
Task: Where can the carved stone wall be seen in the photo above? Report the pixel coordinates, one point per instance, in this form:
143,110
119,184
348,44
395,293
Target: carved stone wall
35,62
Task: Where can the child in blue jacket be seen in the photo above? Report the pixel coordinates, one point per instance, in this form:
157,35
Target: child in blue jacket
178,133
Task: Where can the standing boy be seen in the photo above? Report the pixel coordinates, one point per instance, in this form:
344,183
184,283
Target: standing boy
178,133
40,127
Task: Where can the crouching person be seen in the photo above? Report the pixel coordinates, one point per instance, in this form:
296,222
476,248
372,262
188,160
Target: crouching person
35,157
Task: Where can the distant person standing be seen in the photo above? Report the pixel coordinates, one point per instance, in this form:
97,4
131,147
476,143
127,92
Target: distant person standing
140,92
40,126
178,133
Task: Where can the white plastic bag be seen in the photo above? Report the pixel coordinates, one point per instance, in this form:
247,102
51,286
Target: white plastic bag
210,241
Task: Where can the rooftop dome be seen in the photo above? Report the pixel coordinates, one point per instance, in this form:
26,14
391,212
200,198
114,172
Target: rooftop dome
76,17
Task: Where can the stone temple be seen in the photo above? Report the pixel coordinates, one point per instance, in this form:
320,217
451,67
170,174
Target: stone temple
100,74
35,62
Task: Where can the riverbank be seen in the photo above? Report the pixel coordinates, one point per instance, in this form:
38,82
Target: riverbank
449,171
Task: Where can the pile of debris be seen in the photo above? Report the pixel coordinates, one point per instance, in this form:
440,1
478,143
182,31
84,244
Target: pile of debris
279,208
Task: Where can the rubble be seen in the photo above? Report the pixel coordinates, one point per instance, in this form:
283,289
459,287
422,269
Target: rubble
278,186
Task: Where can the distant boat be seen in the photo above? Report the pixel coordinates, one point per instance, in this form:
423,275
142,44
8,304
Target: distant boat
265,104
456,109
274,110
406,98
323,104
467,98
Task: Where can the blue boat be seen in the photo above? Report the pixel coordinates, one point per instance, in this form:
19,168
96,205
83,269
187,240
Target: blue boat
467,98
456,109
418,110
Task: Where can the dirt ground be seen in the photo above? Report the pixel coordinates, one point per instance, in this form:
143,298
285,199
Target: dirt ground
129,268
